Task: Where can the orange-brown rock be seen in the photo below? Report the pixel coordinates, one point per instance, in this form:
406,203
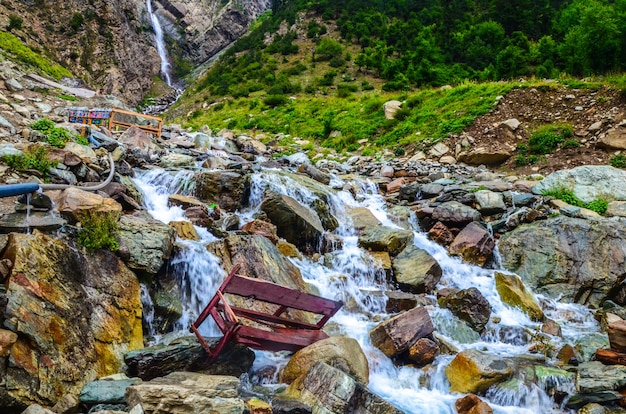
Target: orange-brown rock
471,404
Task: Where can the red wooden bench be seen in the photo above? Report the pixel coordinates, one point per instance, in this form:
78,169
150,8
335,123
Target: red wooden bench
271,331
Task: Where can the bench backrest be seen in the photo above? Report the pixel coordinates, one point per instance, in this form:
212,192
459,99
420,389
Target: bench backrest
272,293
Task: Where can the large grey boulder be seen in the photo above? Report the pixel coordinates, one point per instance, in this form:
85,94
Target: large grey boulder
149,242
224,188
416,270
294,222
455,213
588,182
385,239
187,393
330,390
574,259
470,306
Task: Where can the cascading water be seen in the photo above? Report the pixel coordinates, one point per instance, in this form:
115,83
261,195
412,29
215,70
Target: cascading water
353,276
166,68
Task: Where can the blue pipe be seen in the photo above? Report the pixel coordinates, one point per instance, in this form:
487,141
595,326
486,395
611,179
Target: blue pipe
9,190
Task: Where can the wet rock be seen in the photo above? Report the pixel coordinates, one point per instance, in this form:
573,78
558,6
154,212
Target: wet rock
149,241
472,371
224,188
409,192
338,351
328,389
315,173
362,218
471,404
551,327
395,185
399,301
174,160
455,213
385,239
440,234
474,244
470,306
22,223
185,230
201,393
329,222
294,222
397,334
578,260
513,292
186,354
199,216
423,352
416,270
262,228
593,376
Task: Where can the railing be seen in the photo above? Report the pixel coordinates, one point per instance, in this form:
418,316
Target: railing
126,119
115,118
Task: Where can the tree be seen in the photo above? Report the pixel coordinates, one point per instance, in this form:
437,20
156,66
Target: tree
327,49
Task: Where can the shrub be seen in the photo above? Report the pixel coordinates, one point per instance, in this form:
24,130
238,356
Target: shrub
58,137
275,100
99,230
565,194
33,159
15,22
599,206
570,143
618,161
546,138
43,125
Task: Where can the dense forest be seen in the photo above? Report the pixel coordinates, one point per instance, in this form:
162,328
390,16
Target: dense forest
432,42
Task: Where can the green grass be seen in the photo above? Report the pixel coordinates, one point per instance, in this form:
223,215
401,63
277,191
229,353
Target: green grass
565,194
34,158
547,138
15,47
431,113
618,161
55,136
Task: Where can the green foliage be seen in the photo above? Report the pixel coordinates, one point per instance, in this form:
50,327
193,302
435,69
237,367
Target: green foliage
599,206
565,194
327,49
99,230
55,136
76,22
15,22
570,143
34,158
618,161
24,54
546,138
275,100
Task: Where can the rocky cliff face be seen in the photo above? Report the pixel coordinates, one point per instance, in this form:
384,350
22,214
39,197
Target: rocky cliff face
110,44
204,27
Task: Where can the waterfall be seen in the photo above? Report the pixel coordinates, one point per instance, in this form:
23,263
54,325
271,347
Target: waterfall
351,274
160,44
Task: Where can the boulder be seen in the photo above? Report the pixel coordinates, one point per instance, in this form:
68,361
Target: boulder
187,393
399,301
75,314
186,354
339,352
362,218
588,182
385,239
329,390
440,234
106,391
486,156
390,108
470,306
423,352
455,213
474,244
139,145
594,376
250,145
617,335
185,230
471,404
416,270
577,260
175,160
294,222
438,150
224,188
489,202
262,228
397,334
614,139
149,242
513,292
72,202
84,152
472,371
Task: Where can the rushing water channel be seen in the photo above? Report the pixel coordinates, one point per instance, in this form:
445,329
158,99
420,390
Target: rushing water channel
352,275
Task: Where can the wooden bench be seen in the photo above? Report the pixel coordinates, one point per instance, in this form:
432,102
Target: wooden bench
270,331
